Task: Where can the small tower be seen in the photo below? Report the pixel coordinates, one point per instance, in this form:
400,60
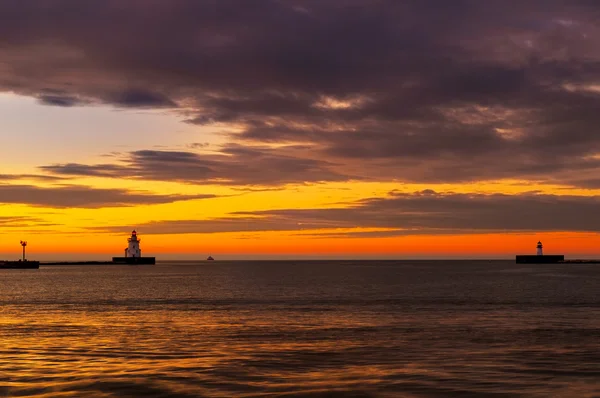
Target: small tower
539,249
24,244
133,250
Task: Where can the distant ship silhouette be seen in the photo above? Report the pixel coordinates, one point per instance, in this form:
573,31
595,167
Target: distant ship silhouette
210,258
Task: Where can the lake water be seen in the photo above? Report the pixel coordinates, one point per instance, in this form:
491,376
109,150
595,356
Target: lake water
301,329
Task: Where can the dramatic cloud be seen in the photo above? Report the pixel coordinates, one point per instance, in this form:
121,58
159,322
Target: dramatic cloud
84,197
429,90
235,164
425,212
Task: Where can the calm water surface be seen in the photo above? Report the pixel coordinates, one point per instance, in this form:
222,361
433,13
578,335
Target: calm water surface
311,329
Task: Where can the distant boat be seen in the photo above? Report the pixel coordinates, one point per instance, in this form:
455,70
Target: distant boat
210,258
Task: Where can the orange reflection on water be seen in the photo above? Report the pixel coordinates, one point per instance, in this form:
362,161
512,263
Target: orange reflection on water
287,328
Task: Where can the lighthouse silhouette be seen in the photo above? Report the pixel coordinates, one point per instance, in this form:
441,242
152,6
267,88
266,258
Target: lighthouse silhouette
133,249
539,249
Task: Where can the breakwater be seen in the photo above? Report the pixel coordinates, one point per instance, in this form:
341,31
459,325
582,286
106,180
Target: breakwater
77,263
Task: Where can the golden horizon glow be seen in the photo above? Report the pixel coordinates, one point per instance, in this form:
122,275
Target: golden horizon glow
68,231
311,243
82,230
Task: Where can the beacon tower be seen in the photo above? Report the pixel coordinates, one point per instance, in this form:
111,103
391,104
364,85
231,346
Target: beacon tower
133,249
133,253
540,257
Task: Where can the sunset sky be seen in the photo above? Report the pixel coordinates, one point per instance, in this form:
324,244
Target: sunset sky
299,129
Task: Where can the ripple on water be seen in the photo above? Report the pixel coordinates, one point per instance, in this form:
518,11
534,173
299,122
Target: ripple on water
259,330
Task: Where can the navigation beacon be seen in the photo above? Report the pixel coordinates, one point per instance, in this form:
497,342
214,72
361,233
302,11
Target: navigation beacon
133,250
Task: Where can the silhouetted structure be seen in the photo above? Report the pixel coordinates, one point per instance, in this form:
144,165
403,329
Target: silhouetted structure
21,264
24,244
540,258
133,253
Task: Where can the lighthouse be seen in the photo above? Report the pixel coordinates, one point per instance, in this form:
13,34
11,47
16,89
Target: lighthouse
540,257
133,249
133,253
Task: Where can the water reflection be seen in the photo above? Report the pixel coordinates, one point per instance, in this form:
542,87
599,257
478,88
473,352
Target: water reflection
271,329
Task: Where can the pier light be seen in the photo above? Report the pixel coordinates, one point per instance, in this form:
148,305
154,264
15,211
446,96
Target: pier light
24,244
133,249
132,254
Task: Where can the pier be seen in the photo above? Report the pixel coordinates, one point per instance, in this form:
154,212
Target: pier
20,264
541,258
77,263
133,256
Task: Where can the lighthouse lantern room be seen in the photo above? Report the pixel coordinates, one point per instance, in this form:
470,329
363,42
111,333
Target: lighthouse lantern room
539,249
133,249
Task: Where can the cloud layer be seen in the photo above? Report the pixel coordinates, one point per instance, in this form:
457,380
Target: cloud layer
415,90
425,212
232,165
84,197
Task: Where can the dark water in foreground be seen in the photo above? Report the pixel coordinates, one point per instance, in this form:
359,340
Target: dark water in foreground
314,329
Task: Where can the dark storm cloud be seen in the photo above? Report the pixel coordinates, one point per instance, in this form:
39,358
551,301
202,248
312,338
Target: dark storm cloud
83,197
235,164
425,212
408,90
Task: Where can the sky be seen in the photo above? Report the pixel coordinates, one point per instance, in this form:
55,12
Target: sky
300,129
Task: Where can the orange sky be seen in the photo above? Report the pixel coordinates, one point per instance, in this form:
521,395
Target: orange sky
78,232
361,130
298,245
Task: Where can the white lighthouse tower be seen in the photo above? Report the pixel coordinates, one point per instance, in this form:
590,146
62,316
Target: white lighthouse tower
133,250
539,248
133,253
